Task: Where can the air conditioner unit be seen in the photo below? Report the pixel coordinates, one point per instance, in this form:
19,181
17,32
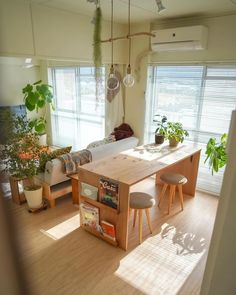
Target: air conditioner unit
181,38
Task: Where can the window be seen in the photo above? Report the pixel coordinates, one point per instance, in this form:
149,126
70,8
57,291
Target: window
202,98
78,118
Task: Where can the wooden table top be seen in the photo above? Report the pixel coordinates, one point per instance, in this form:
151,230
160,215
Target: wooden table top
136,164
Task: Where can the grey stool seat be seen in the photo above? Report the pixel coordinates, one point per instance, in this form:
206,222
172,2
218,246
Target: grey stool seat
140,200
173,178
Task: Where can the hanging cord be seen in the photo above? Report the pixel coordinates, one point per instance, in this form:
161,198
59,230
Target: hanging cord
112,33
129,33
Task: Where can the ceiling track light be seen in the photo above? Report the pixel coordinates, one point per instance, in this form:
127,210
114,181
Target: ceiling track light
160,6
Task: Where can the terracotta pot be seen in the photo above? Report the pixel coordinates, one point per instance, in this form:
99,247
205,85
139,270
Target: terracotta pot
34,197
159,138
173,142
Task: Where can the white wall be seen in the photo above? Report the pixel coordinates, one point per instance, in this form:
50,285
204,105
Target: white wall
13,77
221,41
219,277
58,34
15,29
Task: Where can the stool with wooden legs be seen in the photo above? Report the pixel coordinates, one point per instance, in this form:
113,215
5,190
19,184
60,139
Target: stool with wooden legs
140,201
173,180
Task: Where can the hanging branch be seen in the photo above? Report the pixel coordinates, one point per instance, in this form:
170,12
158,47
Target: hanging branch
97,53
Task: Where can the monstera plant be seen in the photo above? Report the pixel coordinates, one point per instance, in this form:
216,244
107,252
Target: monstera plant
36,97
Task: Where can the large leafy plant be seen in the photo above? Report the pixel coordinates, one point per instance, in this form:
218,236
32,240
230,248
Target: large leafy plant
22,152
216,153
36,96
175,130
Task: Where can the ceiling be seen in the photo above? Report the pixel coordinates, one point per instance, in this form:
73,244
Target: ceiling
146,10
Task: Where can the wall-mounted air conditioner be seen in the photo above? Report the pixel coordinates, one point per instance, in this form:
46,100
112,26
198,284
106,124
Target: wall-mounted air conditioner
182,38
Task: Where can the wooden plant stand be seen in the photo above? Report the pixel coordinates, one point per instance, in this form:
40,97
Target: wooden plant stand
18,197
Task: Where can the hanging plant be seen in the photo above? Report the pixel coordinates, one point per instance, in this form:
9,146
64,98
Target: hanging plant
97,52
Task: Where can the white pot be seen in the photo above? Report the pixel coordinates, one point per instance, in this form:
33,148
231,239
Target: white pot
43,139
34,197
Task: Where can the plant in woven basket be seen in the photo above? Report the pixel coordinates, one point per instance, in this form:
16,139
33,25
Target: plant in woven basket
216,153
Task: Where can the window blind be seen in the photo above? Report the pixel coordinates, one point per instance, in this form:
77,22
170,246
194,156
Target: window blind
201,98
79,117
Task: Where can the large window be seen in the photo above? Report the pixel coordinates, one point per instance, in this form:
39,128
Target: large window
78,118
202,98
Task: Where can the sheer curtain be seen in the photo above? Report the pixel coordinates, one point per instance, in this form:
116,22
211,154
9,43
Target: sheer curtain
202,98
79,118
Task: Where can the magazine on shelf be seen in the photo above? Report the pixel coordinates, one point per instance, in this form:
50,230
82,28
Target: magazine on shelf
109,192
90,216
108,230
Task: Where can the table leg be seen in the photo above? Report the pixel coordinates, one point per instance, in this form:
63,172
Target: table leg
75,191
123,217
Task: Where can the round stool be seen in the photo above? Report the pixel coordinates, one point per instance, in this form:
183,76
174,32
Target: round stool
140,201
173,180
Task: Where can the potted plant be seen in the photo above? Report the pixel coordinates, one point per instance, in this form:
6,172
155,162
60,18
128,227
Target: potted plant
175,133
216,153
22,156
161,129
37,96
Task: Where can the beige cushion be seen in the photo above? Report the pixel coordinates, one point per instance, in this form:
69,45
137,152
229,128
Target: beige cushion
173,178
140,200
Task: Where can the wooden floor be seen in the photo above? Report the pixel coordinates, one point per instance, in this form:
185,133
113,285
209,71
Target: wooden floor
80,263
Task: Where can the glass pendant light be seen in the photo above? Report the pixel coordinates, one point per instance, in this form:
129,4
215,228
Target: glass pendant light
129,79
112,81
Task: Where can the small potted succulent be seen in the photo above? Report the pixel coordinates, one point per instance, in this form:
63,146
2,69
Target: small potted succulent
216,153
175,133
161,128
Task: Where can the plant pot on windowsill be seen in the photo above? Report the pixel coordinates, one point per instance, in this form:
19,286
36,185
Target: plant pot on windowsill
159,138
173,142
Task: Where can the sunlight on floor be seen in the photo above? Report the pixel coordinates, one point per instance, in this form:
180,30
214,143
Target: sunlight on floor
63,229
162,263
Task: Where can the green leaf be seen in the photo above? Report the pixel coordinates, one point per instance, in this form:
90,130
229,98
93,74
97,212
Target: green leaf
29,106
32,124
40,128
27,88
41,103
33,98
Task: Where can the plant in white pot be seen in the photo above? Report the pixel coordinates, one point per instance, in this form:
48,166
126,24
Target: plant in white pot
21,156
175,133
36,97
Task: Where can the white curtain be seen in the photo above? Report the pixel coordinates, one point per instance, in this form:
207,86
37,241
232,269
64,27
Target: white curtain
114,111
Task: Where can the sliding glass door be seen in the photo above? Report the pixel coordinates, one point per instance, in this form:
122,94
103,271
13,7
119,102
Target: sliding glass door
79,113
201,97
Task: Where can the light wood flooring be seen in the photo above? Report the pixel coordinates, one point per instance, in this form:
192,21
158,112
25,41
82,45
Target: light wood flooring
80,263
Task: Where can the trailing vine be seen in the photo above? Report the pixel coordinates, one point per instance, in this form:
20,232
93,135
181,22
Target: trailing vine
97,52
